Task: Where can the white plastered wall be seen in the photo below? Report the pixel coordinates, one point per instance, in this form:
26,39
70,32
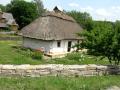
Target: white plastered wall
50,47
63,48
37,44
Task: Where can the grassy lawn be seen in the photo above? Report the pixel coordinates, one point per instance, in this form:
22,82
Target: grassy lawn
10,55
59,83
8,35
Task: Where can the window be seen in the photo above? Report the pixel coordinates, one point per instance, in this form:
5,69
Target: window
58,43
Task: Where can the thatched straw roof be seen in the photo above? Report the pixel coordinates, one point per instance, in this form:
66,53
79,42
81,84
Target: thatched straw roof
9,20
54,25
7,16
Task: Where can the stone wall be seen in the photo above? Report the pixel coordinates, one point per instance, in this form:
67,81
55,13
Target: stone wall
57,70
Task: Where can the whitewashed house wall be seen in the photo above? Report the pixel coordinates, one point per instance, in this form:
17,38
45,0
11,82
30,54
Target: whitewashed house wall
48,46
64,46
37,44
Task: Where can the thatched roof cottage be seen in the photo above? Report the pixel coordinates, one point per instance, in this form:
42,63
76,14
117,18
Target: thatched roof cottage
54,32
7,21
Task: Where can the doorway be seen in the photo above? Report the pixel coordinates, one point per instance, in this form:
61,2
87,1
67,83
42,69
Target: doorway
69,46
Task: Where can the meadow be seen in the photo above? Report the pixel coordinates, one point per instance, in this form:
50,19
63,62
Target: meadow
59,83
9,54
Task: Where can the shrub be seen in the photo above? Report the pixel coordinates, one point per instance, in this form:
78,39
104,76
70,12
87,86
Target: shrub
28,52
24,51
37,55
75,56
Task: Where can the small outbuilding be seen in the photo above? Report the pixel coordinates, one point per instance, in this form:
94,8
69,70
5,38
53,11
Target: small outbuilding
7,21
54,33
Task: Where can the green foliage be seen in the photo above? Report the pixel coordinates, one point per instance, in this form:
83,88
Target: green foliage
104,40
37,55
12,53
2,7
75,56
5,29
83,19
29,53
20,49
40,6
59,83
23,12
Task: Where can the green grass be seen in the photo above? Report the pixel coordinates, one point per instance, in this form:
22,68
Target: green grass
59,83
8,35
10,55
87,59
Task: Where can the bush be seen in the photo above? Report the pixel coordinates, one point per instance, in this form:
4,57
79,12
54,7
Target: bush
24,51
75,56
37,55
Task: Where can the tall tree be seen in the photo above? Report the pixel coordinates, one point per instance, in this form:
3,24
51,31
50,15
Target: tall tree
24,12
40,7
84,19
104,40
2,7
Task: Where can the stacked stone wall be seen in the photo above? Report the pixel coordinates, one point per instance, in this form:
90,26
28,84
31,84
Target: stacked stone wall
58,70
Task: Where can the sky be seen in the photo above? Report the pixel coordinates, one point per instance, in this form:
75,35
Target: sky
99,9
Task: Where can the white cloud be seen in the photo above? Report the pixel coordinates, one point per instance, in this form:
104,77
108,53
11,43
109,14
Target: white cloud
87,9
109,13
4,2
103,12
116,7
73,5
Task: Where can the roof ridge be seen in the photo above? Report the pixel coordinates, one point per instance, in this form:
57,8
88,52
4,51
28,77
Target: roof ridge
60,15
51,28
